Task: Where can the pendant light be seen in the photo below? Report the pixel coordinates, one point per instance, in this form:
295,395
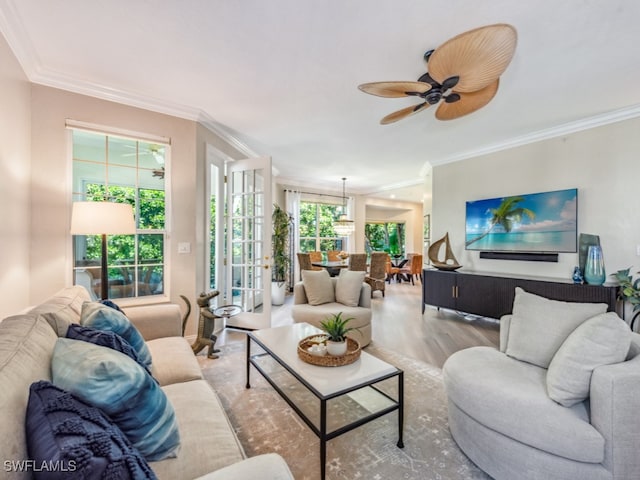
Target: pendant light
343,226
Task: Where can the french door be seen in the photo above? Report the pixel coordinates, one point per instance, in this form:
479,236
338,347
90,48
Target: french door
246,253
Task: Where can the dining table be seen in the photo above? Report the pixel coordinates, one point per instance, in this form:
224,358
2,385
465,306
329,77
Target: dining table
332,266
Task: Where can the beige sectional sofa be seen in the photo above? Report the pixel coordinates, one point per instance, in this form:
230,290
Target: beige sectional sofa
209,447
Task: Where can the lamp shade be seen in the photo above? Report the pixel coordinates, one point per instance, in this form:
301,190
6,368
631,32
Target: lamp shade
102,218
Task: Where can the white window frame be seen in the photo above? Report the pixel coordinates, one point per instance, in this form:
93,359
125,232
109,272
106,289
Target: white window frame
136,136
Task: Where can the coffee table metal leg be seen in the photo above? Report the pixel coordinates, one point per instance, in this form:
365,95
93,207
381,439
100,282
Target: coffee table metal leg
248,385
323,438
400,409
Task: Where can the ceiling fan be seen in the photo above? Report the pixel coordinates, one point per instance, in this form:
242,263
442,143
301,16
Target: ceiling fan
463,73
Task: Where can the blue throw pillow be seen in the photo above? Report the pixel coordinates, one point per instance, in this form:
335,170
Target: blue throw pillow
111,304
75,440
103,317
118,386
104,338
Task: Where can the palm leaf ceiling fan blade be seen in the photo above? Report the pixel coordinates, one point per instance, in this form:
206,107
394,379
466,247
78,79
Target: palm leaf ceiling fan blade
405,112
395,89
478,57
468,103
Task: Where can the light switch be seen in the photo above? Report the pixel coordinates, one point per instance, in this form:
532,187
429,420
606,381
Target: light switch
184,247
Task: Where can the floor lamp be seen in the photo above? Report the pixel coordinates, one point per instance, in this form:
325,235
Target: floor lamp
102,218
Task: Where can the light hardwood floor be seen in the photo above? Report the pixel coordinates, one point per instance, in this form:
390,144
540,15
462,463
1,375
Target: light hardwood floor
399,325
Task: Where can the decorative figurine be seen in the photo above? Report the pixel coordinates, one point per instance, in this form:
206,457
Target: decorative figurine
206,336
577,275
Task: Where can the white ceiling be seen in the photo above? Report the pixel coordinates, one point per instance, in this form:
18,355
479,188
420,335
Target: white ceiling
281,76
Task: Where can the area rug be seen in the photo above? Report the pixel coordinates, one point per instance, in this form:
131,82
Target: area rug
265,423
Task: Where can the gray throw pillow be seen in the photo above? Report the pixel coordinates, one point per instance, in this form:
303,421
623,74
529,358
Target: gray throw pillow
318,287
539,326
602,340
348,287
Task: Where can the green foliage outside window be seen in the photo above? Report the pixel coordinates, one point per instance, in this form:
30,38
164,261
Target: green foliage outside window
121,248
316,227
385,237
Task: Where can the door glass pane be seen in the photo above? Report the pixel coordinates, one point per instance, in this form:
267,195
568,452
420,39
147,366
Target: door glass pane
214,195
247,256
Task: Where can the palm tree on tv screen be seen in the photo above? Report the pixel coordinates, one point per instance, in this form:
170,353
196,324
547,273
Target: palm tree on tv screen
505,215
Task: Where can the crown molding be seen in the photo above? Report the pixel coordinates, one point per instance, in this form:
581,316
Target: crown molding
19,42
395,186
13,30
588,123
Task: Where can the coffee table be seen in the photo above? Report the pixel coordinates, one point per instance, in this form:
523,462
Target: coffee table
334,400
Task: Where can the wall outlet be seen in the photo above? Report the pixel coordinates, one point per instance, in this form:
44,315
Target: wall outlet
638,250
184,247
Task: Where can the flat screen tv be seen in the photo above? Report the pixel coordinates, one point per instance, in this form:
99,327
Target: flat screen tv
536,222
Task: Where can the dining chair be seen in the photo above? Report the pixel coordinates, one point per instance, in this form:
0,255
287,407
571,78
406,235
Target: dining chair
377,272
390,270
332,255
304,260
315,256
413,268
358,261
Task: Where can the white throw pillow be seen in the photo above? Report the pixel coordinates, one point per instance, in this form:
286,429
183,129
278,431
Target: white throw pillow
318,287
601,340
348,287
539,326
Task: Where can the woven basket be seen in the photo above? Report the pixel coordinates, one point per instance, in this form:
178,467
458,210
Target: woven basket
353,353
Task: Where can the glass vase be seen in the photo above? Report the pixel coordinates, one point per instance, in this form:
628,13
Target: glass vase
594,273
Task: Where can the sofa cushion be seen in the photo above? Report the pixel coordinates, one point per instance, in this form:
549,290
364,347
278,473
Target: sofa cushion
510,397
601,340
104,338
173,360
26,346
121,388
207,438
77,438
103,317
318,287
270,465
539,326
348,287
63,308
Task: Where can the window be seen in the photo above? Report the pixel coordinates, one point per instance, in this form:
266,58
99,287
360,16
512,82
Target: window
125,170
316,227
385,237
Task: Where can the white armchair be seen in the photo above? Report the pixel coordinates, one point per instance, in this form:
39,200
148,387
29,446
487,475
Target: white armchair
303,311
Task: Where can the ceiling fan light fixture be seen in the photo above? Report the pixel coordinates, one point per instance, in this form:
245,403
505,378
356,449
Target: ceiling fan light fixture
464,72
343,226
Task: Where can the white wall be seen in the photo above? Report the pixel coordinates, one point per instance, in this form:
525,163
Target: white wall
15,169
602,163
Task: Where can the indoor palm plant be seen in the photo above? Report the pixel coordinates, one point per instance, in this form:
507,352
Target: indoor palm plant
281,221
336,328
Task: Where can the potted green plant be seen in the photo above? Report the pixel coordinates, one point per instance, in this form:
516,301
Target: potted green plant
336,328
629,290
281,221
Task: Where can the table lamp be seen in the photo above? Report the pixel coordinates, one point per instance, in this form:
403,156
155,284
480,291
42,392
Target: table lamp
102,218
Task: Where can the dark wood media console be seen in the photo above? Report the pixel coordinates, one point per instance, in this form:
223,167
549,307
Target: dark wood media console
491,294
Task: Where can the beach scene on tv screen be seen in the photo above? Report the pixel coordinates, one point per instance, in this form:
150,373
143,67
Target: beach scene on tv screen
537,222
